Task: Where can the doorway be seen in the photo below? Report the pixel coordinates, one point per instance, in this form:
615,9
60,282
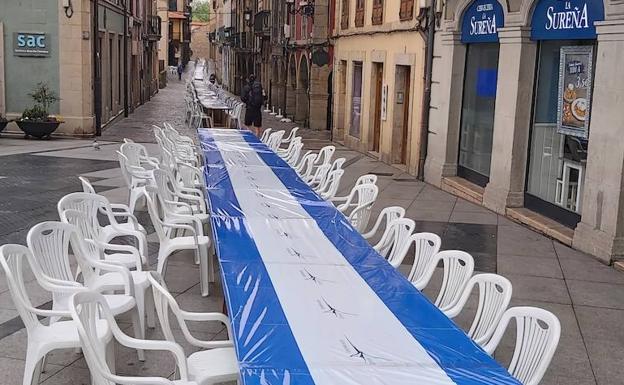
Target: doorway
402,97
376,100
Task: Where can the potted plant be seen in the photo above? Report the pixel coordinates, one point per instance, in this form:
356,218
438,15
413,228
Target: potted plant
3,122
37,121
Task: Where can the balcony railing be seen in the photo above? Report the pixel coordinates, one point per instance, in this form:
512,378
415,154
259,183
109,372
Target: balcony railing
154,24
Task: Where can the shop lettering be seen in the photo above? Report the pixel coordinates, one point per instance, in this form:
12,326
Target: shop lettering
568,19
483,27
31,41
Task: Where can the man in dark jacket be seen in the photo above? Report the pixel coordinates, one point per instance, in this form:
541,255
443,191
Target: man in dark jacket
253,97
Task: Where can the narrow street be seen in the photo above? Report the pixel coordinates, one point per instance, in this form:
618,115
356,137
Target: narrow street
587,296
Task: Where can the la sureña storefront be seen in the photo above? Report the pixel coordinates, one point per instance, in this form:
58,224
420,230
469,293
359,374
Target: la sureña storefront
521,120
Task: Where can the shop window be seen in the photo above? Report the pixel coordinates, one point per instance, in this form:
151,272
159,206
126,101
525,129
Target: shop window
377,12
477,120
359,12
406,11
344,19
356,100
557,161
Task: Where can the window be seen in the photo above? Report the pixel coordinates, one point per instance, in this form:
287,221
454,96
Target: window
173,5
359,13
407,10
377,12
344,19
477,120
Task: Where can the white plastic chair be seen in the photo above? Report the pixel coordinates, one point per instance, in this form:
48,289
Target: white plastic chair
119,209
293,158
426,247
170,243
364,179
394,243
265,135
325,155
128,256
275,139
291,135
458,267
91,205
136,179
284,153
329,189
494,297
217,364
86,308
42,339
360,195
537,337
386,216
366,196
180,200
306,166
49,243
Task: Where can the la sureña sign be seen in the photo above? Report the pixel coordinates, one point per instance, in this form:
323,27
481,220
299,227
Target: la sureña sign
481,22
566,19
30,44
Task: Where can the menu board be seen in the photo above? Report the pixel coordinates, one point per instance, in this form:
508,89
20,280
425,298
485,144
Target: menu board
575,85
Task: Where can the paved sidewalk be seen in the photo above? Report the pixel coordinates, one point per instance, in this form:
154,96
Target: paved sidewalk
587,296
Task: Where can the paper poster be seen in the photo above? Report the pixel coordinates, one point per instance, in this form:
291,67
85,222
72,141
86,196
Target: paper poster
575,85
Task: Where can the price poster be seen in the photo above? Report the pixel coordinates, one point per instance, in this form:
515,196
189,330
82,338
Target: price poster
575,85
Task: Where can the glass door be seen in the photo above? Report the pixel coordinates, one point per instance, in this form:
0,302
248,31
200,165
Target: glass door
477,121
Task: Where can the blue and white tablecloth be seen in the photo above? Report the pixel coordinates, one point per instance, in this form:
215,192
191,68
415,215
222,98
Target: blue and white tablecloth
310,301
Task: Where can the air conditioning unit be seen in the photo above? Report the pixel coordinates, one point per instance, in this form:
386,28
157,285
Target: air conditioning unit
287,31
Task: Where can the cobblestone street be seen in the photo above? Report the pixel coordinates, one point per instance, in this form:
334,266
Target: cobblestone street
587,296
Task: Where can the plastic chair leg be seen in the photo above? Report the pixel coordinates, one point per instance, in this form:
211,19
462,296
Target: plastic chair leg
32,368
150,309
139,332
203,271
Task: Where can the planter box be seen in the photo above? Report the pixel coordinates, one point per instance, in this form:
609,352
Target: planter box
38,130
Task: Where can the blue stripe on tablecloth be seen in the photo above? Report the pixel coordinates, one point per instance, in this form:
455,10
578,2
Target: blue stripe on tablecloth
268,353
462,360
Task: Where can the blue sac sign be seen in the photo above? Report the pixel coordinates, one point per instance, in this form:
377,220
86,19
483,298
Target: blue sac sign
566,19
481,22
30,44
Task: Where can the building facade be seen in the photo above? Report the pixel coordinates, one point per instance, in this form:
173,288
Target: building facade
99,57
526,111
378,82
178,34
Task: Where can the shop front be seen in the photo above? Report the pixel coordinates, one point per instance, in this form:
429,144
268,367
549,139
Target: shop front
565,35
526,115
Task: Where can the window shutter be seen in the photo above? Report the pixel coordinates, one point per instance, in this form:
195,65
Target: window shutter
359,13
407,10
344,20
377,12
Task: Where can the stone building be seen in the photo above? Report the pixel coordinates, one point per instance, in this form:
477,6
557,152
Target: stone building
98,69
526,114
379,57
200,43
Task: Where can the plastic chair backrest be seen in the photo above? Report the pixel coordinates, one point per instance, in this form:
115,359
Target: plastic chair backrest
11,260
426,248
366,179
537,336
291,135
329,189
394,242
386,216
325,155
87,187
494,296
265,135
366,197
458,268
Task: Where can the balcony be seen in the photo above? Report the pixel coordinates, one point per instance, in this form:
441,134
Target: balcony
154,24
262,24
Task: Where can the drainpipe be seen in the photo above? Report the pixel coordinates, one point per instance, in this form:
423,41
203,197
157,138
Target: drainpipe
426,106
97,85
125,54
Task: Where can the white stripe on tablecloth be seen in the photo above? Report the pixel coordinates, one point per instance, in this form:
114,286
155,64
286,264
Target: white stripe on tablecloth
336,316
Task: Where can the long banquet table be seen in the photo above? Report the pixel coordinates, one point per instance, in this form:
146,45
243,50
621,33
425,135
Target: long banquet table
309,299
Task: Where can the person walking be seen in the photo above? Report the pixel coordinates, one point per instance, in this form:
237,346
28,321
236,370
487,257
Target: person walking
180,71
253,97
